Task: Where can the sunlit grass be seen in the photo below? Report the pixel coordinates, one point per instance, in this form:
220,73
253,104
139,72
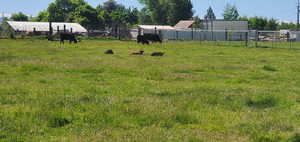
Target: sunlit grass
197,92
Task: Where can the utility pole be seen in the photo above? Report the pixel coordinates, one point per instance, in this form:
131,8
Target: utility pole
298,10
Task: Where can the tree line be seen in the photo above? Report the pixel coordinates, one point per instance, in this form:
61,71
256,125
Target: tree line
162,12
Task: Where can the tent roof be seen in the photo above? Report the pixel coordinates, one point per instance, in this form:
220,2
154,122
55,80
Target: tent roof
184,24
44,26
158,27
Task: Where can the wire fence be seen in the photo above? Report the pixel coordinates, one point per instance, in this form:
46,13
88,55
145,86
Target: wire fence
246,38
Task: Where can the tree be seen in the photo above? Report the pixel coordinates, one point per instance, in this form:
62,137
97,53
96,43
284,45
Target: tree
111,6
42,17
258,23
60,10
19,17
210,15
144,16
85,15
168,11
272,25
287,26
230,12
179,10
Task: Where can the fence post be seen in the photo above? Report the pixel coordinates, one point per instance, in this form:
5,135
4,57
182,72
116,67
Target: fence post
57,29
226,34
65,28
256,37
50,31
192,34
246,38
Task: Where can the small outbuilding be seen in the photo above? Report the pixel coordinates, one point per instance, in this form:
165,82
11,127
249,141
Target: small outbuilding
184,24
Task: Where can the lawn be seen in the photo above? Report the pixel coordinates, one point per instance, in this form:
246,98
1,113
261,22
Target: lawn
197,92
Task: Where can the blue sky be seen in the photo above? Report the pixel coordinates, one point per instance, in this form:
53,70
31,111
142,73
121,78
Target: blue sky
283,10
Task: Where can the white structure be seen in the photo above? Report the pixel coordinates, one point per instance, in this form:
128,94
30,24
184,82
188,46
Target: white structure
221,25
44,27
153,28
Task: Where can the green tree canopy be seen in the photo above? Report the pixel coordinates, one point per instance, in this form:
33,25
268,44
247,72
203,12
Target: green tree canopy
60,10
210,15
19,17
42,16
85,15
231,12
168,11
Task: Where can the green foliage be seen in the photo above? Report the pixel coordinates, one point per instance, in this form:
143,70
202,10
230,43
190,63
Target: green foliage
60,10
19,17
210,15
261,23
144,16
42,17
168,11
272,25
231,12
295,138
86,16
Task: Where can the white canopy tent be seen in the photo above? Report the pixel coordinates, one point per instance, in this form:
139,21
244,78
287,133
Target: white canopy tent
44,26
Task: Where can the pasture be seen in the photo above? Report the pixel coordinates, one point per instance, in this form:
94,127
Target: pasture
195,93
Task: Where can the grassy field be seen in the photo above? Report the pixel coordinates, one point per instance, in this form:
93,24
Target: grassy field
195,93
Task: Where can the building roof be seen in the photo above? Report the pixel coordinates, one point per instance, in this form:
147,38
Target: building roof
157,27
44,26
184,24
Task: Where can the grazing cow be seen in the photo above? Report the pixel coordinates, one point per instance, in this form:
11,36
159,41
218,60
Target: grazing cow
153,38
141,39
109,52
158,54
67,36
138,53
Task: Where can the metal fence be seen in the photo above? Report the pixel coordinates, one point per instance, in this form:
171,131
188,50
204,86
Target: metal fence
249,38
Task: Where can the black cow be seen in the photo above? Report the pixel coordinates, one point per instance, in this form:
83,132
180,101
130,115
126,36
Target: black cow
68,36
141,39
153,38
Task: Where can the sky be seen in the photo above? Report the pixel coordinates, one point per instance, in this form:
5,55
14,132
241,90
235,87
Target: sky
282,10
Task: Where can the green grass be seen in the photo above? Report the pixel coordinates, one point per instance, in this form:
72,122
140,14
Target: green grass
197,92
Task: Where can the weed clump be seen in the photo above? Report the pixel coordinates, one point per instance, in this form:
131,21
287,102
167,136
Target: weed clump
262,103
269,68
58,122
295,138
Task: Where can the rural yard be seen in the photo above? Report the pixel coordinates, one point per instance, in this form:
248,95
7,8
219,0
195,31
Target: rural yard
196,92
